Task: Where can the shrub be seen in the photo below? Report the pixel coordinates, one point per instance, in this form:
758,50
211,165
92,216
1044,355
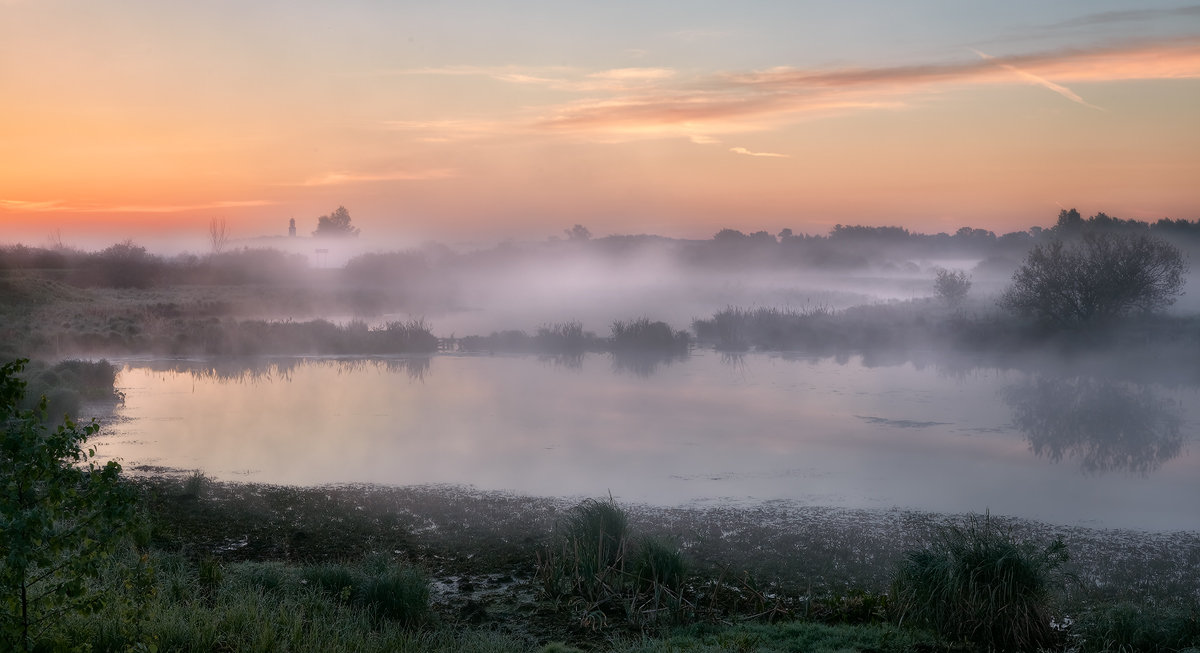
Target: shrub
61,515
1102,277
951,286
981,585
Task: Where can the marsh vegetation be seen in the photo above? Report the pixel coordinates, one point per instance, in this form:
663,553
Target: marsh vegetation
795,430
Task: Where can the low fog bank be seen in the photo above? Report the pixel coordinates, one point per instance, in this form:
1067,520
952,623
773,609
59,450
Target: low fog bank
857,288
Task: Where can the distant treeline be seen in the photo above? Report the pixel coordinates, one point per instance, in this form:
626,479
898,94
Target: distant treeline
128,265
431,269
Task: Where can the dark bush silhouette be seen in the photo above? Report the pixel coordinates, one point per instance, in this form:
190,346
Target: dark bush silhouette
951,286
123,265
336,223
1101,277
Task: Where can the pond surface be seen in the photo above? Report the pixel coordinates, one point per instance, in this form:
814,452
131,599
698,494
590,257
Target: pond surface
710,428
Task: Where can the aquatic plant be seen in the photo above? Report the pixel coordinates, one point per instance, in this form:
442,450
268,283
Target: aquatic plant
643,335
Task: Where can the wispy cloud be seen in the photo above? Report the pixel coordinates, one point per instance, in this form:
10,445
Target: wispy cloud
1040,81
61,206
555,77
31,207
774,155
758,100
338,178
645,102
1129,16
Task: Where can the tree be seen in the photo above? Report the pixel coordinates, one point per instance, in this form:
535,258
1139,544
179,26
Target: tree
60,514
951,286
218,235
578,233
1102,277
335,224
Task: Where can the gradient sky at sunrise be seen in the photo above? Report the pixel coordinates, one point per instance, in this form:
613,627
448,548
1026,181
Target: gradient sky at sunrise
468,121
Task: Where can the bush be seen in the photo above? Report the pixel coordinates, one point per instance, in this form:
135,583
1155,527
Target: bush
951,286
1102,277
61,515
980,585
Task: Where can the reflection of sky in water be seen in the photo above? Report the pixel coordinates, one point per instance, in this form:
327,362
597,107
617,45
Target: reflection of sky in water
808,430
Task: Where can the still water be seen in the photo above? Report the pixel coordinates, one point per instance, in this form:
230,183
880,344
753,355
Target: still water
711,428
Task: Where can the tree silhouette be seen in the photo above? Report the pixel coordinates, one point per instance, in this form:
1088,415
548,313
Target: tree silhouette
335,224
1101,277
218,234
951,286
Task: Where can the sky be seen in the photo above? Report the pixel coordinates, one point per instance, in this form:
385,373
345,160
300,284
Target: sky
476,121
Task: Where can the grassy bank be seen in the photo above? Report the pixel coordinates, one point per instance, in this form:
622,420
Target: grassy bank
221,566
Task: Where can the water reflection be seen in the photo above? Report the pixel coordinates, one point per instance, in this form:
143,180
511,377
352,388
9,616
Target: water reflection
753,426
644,363
1103,425
255,370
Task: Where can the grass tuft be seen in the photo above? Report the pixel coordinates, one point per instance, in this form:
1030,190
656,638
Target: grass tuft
981,585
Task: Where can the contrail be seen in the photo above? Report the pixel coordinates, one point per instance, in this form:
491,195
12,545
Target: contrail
1040,81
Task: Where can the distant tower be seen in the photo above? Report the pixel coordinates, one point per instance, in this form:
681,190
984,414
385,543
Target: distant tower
292,227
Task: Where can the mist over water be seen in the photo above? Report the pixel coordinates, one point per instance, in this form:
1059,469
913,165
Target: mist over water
823,370
710,428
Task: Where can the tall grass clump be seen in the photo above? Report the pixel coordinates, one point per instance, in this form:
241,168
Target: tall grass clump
643,335
597,565
562,338
593,541
981,585
385,590
738,329
1128,626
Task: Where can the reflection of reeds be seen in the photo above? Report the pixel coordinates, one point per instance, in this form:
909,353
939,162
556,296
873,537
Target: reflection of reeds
253,370
213,337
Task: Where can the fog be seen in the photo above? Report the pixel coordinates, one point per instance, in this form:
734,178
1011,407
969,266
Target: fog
824,370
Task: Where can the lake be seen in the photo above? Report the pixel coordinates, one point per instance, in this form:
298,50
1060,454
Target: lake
710,428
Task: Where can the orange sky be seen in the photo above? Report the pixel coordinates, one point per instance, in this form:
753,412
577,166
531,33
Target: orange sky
148,119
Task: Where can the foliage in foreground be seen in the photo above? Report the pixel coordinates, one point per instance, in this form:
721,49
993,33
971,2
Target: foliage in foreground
981,585
60,514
